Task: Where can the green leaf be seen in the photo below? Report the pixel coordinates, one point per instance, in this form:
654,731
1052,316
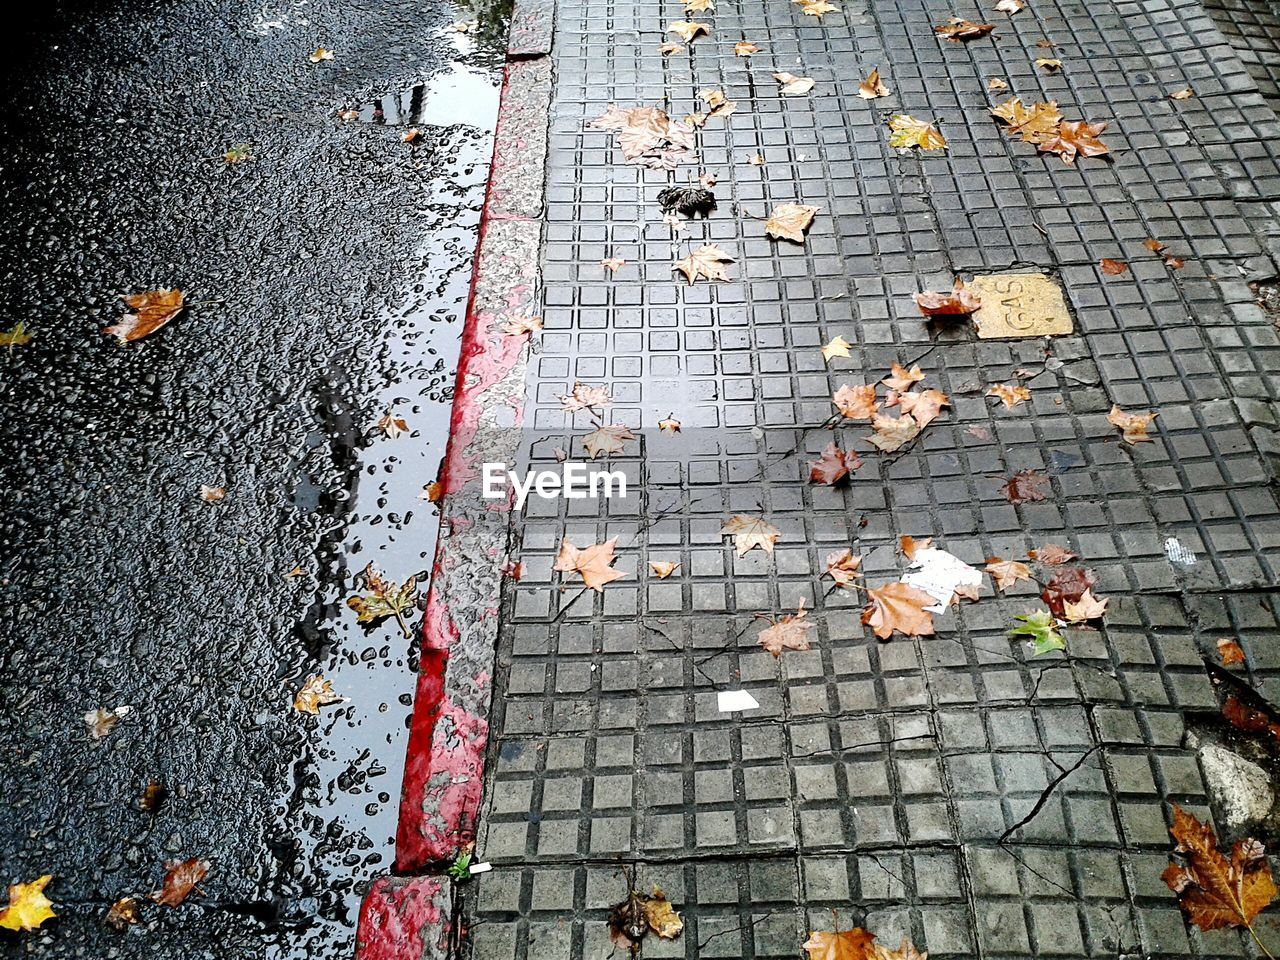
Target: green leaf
460,869
15,336
1039,627
238,152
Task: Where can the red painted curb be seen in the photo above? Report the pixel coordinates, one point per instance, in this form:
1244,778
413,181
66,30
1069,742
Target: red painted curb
405,919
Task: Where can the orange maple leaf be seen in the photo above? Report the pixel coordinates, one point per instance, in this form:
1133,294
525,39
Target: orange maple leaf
787,632
151,311
855,944
856,403
594,563
900,378
1007,573
959,302
1215,891
898,606
180,878
1076,138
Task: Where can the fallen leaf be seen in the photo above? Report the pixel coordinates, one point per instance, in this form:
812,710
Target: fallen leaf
28,906
690,201
662,568
749,532
385,598
893,433
833,465
1174,263
1230,652
411,136
756,160
15,336
1049,63
1010,6
180,880
1185,94
1036,124
594,563
560,454
1051,555
995,84
153,796
522,326
392,426
1247,719
958,30
787,632
855,944
647,136
583,397
856,403
708,180
1025,486
1044,44
906,951
465,26
816,8
872,87
959,302
1088,607
662,917
98,723
151,311
792,86
349,115
718,105
925,406
698,6
668,48
1041,630
1112,268
1009,394
789,221
705,262
1133,426
1212,890
1067,585
317,692
237,153
433,492
613,264
123,913
898,606
909,546
669,425
901,379
513,570
1007,573
906,131
608,439
1076,138
320,54
745,48
837,347
844,568
688,30
212,494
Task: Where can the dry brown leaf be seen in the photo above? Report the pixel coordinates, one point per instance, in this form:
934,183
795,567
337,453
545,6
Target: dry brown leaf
1133,426
745,48
98,723
789,221
317,692
897,606
1051,555
837,347
180,880
1007,573
584,397
901,379
646,135
1076,138
995,84
844,567
1009,394
756,160
698,6
1248,719
319,54
707,261
663,568
816,8
522,326
906,131
925,406
411,136
893,433
1067,585
151,311
669,425
1010,6
1154,245
594,563
872,87
749,532
1088,607
1112,268
855,944
662,917
1212,890
392,426
856,403
608,439
833,465
613,264
1025,486
1049,63
787,632
689,30
212,494
1185,94
958,30
959,302
909,546
718,105
793,86
1035,124
1230,652
123,913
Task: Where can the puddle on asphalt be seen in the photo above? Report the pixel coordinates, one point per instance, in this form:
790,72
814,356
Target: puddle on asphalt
460,96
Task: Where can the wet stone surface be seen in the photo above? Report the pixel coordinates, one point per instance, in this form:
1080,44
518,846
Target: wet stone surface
326,281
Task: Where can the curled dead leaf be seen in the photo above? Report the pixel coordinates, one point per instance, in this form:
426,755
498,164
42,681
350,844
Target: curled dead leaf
961,301
906,131
151,311
872,88
1133,426
1230,652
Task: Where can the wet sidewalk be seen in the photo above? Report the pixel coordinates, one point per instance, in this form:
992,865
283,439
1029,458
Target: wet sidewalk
956,788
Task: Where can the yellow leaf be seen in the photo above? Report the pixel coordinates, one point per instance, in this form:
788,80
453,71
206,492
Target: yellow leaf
789,221
995,84
662,917
855,944
15,336
907,131
1049,63
1088,607
816,8
838,347
28,906
320,54
1009,394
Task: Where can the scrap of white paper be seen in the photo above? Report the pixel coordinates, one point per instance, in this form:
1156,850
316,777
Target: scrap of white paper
731,701
481,867
938,573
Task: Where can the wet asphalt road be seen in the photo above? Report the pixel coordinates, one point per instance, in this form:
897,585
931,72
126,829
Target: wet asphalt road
328,276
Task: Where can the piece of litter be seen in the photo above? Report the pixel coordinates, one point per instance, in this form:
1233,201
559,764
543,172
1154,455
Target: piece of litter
938,573
481,867
731,701
1177,553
